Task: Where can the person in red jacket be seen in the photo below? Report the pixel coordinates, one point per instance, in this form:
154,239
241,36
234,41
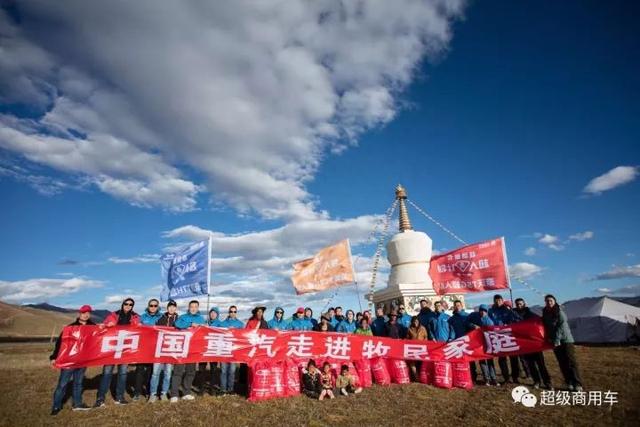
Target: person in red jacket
257,320
124,316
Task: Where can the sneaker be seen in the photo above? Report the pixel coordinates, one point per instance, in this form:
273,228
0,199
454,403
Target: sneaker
579,388
174,399
99,404
536,386
188,397
81,407
570,387
136,397
122,401
153,398
164,397
487,383
344,392
358,390
55,411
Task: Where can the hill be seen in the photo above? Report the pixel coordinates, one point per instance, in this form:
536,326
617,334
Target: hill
17,321
96,315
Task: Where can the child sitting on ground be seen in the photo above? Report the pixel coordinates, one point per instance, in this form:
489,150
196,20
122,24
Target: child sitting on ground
327,382
345,382
311,381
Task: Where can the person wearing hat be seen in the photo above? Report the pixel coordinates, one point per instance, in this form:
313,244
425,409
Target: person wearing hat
278,321
324,325
67,375
228,370
476,320
299,323
393,329
167,319
257,319
122,317
308,314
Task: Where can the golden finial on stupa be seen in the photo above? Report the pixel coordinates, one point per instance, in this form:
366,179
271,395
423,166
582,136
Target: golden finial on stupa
401,196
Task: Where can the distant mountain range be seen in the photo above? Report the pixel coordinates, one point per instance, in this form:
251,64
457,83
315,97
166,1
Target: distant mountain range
96,315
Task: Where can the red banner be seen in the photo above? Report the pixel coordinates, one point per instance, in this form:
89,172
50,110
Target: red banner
93,345
473,268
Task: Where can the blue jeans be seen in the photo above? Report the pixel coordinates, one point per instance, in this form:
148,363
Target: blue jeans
105,382
66,375
155,378
227,376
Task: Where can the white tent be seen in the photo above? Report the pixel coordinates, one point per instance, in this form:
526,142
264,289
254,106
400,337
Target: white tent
603,320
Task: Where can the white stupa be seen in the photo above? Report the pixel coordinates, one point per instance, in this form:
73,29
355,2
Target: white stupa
409,253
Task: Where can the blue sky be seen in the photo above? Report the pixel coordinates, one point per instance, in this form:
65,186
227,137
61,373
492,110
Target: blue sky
496,116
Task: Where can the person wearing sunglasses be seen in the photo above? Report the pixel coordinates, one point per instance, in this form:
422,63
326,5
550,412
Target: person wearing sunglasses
278,321
228,370
124,316
150,317
167,319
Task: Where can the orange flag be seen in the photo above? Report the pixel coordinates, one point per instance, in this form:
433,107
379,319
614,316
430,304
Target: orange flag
330,267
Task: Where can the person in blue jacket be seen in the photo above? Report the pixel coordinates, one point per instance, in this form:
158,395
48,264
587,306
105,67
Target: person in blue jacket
502,314
476,320
458,323
439,327
331,314
143,370
348,325
185,373
403,317
379,324
228,370
298,321
214,318
278,321
308,315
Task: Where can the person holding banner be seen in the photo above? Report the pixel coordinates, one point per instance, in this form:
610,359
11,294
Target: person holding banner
298,321
415,332
278,321
150,317
379,324
348,325
458,323
438,325
257,320
403,317
501,315
363,328
476,320
535,361
186,372
67,375
228,370
559,334
124,316
425,315
308,315
168,319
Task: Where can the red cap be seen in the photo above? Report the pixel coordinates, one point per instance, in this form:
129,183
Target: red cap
85,308
300,310
508,303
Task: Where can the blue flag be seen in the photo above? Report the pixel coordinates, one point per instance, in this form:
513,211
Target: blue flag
185,273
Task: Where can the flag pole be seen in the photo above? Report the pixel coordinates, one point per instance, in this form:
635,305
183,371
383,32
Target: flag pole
506,266
209,274
355,276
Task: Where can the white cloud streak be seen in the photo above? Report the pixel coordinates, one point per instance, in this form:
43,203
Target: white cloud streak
41,290
618,272
524,270
616,177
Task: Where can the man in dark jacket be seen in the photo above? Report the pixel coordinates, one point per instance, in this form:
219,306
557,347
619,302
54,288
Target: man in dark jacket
311,381
379,324
124,316
67,375
534,361
425,315
143,370
394,329
502,314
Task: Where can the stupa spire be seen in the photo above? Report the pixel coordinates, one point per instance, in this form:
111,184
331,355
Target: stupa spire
401,196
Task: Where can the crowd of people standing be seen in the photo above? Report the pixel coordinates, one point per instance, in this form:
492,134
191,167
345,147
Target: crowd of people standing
431,323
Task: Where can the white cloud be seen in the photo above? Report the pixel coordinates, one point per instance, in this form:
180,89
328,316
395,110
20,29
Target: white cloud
524,270
530,251
619,272
586,235
625,291
142,259
616,177
548,239
604,290
249,95
32,290
110,300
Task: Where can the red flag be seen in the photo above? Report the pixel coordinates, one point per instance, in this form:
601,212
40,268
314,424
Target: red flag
473,268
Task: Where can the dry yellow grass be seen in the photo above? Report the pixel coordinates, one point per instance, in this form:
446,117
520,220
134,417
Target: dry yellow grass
28,384
16,321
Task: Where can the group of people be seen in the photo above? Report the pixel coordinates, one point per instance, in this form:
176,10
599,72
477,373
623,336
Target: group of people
431,323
